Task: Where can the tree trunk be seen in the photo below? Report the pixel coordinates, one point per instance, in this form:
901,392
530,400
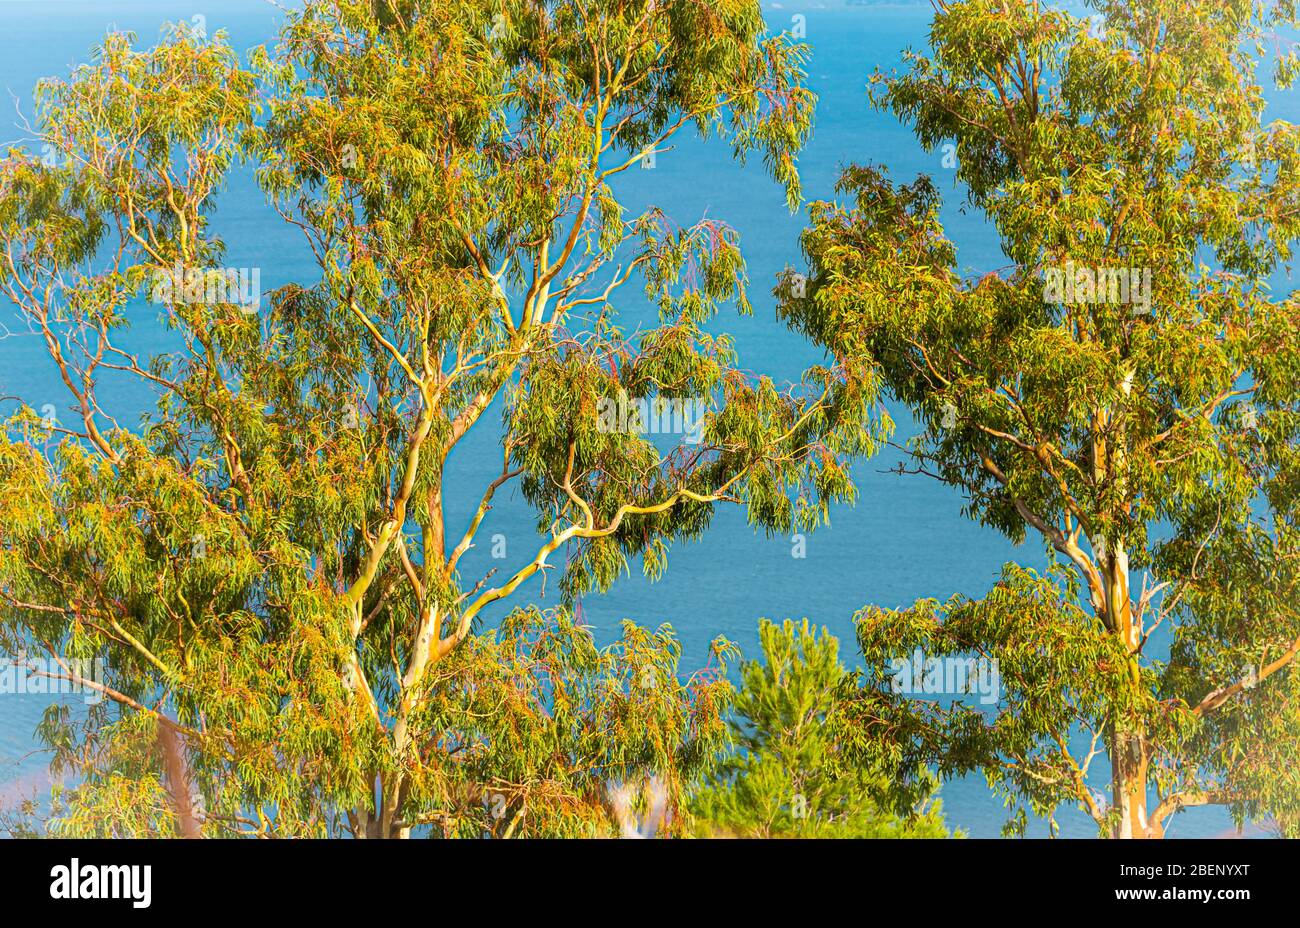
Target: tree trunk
1129,785
1127,747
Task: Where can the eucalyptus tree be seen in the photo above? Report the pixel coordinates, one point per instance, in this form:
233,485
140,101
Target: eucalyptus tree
267,562
1108,393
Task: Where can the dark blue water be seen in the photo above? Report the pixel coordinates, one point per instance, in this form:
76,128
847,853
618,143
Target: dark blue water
905,539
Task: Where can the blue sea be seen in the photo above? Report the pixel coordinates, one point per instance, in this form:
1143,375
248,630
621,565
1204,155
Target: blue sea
905,539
